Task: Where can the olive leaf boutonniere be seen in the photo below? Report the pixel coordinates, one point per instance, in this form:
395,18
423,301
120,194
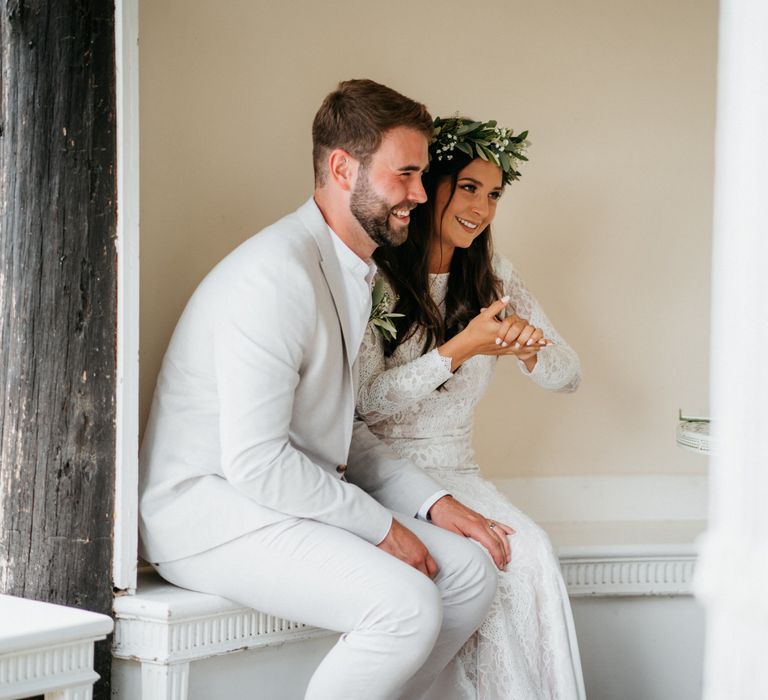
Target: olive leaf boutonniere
381,319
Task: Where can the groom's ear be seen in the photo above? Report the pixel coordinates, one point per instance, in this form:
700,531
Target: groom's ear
342,168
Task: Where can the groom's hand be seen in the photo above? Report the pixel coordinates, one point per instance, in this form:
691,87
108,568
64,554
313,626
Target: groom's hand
448,513
400,542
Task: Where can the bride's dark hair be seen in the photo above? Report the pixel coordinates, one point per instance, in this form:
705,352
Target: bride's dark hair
472,284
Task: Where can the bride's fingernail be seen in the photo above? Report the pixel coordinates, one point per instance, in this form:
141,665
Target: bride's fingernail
517,345
505,299
542,342
530,341
504,344
498,341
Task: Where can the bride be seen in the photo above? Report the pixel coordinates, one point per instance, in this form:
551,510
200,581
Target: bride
422,374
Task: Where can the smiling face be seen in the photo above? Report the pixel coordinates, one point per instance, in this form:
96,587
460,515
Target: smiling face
389,186
460,216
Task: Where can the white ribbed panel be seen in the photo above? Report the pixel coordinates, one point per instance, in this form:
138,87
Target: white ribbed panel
628,576
164,681
733,571
197,638
37,671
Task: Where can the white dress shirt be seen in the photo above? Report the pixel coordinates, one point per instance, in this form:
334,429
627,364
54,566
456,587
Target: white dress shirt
357,287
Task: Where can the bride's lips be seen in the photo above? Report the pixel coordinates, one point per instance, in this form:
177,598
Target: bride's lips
467,225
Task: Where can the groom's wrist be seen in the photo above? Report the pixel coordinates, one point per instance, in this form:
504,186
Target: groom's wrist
423,513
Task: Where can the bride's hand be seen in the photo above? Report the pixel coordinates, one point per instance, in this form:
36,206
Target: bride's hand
486,335
520,335
450,514
478,338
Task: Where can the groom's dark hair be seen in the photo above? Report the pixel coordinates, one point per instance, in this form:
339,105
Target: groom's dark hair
355,117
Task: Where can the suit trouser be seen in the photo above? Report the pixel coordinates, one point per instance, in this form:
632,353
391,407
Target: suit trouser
400,629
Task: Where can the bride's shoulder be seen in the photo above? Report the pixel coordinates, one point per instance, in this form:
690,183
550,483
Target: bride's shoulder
503,267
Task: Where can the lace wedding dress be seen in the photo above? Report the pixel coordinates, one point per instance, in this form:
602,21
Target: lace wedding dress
526,648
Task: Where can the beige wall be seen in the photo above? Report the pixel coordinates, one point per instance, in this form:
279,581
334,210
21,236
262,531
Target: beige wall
610,224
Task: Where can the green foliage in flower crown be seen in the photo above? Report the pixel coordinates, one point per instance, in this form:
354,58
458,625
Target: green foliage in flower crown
479,140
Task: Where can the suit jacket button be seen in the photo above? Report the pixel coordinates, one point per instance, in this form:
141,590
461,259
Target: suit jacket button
341,468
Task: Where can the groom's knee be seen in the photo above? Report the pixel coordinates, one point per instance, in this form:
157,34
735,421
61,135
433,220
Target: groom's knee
410,615
470,585
488,582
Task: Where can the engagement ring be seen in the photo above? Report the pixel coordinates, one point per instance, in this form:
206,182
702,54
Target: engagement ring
491,524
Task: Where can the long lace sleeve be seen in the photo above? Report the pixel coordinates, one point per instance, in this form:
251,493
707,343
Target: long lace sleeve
557,367
383,392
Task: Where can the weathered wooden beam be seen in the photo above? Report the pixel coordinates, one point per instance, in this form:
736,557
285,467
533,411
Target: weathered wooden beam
58,303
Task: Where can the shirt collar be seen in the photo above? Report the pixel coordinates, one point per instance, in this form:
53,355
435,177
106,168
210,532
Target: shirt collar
351,262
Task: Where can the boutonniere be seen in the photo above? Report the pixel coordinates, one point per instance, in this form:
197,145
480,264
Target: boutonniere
381,319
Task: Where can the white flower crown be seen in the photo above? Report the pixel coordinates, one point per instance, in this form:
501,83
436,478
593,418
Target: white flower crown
479,140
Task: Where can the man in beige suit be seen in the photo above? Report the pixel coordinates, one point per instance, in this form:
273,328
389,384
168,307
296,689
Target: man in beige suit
257,483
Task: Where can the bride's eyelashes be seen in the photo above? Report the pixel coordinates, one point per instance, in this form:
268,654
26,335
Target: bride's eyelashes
471,188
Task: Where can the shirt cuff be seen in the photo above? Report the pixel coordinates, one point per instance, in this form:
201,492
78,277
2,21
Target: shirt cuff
386,532
423,513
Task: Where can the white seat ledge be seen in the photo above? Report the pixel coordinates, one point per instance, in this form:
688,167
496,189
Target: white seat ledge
165,624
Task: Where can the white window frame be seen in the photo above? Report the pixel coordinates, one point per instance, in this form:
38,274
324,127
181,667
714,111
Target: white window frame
733,567
127,244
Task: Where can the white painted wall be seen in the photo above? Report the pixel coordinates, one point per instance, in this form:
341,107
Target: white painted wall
641,648
610,224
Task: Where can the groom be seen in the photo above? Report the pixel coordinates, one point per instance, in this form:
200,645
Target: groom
257,483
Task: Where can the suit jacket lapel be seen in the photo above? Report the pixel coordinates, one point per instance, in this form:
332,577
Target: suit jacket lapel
329,263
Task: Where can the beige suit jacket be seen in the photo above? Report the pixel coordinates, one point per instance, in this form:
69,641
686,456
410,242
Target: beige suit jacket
253,414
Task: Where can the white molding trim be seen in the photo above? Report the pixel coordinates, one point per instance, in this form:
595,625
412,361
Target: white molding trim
34,671
127,250
610,576
186,640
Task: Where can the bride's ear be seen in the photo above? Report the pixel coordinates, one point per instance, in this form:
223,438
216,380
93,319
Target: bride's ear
342,169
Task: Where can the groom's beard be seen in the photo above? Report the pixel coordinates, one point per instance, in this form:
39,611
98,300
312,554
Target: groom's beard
373,213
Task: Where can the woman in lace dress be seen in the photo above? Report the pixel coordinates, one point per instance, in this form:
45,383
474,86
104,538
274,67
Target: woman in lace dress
418,392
